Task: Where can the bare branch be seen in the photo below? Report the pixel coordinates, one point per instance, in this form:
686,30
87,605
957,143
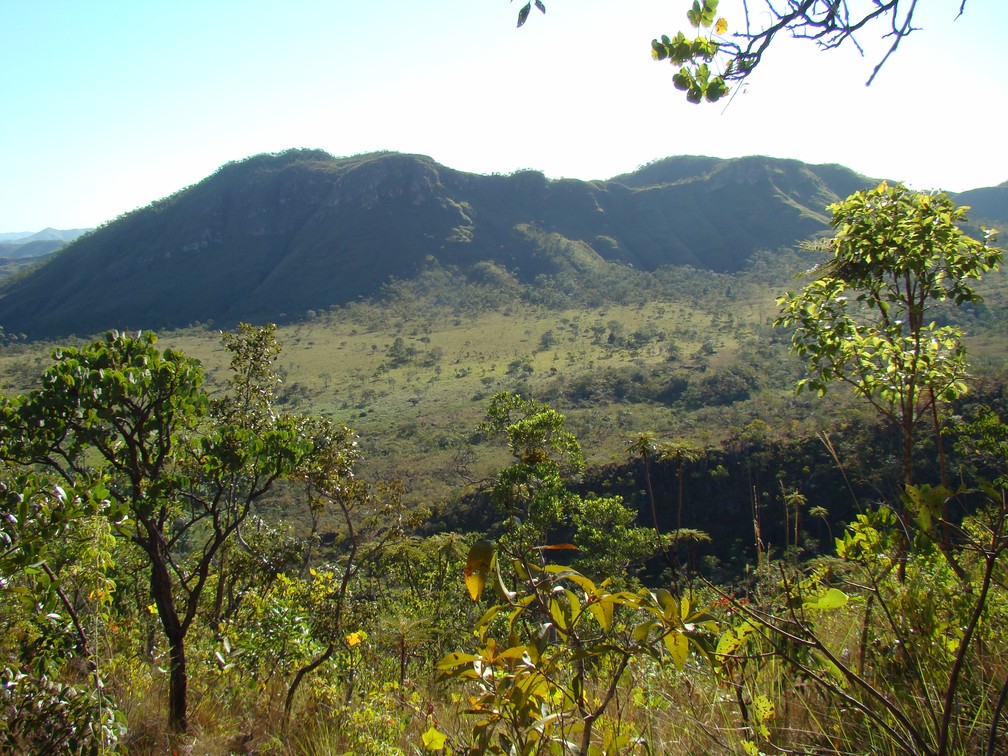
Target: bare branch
828,23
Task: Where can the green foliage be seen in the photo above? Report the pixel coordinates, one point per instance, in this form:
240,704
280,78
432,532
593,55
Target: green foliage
182,472
531,494
867,318
827,23
982,442
694,55
835,656
42,715
51,548
525,9
569,643
535,502
723,386
607,537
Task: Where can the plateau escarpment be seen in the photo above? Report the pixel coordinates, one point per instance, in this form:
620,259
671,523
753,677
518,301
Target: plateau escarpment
272,237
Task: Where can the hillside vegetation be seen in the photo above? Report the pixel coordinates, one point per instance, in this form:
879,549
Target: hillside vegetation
680,353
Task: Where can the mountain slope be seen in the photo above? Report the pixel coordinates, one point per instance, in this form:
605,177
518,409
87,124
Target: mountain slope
989,204
273,236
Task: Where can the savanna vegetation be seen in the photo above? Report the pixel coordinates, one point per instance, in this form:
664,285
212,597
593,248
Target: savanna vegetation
589,515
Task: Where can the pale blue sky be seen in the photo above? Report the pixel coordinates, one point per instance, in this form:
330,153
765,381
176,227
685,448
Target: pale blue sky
106,106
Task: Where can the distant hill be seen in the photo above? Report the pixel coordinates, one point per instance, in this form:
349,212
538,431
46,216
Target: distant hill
273,236
16,245
989,205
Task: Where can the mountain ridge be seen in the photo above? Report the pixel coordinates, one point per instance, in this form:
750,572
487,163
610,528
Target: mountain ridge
273,236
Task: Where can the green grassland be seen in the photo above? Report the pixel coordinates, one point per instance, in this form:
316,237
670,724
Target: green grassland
690,354
616,370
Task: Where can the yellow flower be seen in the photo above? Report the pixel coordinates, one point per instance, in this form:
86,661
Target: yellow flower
354,639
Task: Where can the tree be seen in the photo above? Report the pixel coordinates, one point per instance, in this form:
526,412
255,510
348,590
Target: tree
185,470
827,23
867,317
531,495
543,680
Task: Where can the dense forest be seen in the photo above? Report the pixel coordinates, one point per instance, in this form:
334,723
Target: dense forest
586,513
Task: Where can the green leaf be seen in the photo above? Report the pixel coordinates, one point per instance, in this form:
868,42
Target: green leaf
515,652
683,80
523,14
456,659
560,613
641,631
830,668
708,14
716,89
602,611
668,604
834,598
694,14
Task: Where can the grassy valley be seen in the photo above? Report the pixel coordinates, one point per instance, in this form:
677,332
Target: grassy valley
680,353
688,353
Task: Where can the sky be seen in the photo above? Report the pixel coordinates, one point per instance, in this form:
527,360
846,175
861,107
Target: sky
109,105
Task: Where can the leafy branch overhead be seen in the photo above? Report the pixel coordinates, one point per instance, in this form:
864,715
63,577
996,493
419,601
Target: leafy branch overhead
694,55
523,14
710,61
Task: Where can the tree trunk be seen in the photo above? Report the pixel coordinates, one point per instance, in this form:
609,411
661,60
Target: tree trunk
907,432
161,591
177,684
305,670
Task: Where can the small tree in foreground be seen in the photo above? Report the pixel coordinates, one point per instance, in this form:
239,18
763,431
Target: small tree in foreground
868,317
182,472
552,653
921,677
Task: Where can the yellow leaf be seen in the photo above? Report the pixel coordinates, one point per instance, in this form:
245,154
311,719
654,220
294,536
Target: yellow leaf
354,639
433,739
721,26
602,610
477,567
559,615
678,646
765,712
456,659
